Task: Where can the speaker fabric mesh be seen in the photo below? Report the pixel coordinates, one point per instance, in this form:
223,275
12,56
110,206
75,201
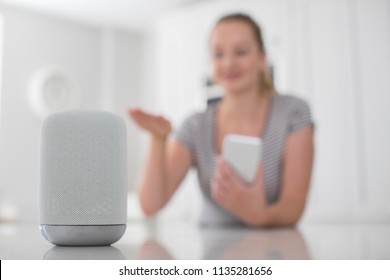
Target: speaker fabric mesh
83,170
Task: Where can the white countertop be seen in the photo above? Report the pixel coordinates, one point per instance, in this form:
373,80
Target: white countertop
189,241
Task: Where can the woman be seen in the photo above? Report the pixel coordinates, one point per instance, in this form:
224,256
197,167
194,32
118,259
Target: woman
249,107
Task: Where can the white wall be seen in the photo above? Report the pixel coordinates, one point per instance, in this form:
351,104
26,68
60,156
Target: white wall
32,41
122,86
333,53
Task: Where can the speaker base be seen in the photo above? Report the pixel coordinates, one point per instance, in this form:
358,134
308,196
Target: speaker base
82,235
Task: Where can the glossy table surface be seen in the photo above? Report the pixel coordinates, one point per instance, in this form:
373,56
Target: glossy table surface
169,240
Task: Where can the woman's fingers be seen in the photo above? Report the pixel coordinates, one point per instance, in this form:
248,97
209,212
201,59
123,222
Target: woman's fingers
228,179
157,125
136,114
259,181
219,191
141,117
230,175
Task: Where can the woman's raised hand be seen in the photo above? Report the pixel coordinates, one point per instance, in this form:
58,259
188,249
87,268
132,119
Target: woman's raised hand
158,126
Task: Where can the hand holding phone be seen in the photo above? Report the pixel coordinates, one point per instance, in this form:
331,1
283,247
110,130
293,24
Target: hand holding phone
243,153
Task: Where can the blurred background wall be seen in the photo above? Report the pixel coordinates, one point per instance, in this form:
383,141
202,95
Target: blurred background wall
333,53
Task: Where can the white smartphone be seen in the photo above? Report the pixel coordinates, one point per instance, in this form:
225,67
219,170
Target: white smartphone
243,153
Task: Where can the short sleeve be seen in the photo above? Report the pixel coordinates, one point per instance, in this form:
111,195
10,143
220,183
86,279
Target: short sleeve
186,132
300,116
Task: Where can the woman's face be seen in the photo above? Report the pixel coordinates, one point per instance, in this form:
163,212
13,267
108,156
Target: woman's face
236,57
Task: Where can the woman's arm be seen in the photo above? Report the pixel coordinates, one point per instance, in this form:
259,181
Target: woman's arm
248,202
297,169
166,165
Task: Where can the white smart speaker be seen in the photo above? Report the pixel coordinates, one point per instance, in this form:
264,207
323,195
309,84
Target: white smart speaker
83,178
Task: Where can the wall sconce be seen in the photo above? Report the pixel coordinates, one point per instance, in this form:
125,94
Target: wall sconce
53,89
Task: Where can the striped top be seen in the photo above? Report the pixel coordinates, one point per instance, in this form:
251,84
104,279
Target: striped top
286,114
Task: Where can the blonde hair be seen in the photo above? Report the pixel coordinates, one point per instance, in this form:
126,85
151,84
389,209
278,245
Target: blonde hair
266,82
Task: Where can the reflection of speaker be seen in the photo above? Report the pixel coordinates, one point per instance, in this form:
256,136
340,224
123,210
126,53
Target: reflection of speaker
83,178
84,253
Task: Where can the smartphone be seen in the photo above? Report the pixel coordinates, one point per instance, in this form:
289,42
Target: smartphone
243,154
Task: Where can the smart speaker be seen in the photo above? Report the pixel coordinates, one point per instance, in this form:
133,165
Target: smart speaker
83,178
